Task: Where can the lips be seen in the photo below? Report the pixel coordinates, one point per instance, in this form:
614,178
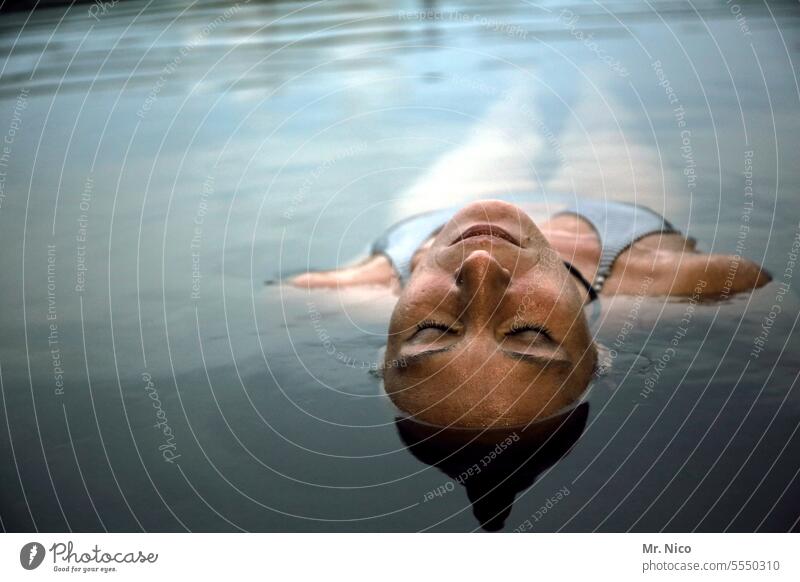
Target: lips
487,230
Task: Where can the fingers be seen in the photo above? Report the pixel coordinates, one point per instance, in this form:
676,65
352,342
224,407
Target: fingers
311,280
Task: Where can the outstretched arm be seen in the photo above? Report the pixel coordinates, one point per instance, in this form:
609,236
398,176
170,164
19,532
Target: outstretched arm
685,274
718,275
375,270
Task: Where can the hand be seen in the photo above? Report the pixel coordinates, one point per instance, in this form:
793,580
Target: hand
376,270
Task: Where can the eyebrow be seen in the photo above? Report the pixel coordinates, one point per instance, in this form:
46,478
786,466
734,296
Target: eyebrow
540,360
416,358
519,356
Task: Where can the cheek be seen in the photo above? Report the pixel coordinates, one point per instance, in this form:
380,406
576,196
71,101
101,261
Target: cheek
426,291
415,304
400,321
536,296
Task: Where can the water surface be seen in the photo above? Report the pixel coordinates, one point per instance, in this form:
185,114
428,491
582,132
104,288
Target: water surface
166,163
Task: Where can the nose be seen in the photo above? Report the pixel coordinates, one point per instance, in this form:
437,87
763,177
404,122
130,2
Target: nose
483,280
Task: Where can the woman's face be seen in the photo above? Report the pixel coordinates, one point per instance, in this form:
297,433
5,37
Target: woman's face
490,328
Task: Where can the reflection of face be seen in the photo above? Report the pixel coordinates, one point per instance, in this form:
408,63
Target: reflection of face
490,328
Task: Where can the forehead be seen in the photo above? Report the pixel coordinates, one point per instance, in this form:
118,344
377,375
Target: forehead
450,390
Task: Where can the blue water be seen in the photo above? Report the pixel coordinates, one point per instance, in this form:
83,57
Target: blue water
164,164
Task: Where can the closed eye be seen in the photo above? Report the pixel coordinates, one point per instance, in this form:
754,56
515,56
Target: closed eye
431,330
431,324
518,329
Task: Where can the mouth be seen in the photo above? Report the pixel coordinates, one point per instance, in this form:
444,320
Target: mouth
486,230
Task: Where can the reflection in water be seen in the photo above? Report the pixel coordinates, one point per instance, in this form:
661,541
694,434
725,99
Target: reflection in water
491,473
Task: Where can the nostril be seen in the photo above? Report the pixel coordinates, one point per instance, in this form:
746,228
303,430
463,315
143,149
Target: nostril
481,268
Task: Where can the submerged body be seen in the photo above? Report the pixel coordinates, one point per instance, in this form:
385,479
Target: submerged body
489,323
668,258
